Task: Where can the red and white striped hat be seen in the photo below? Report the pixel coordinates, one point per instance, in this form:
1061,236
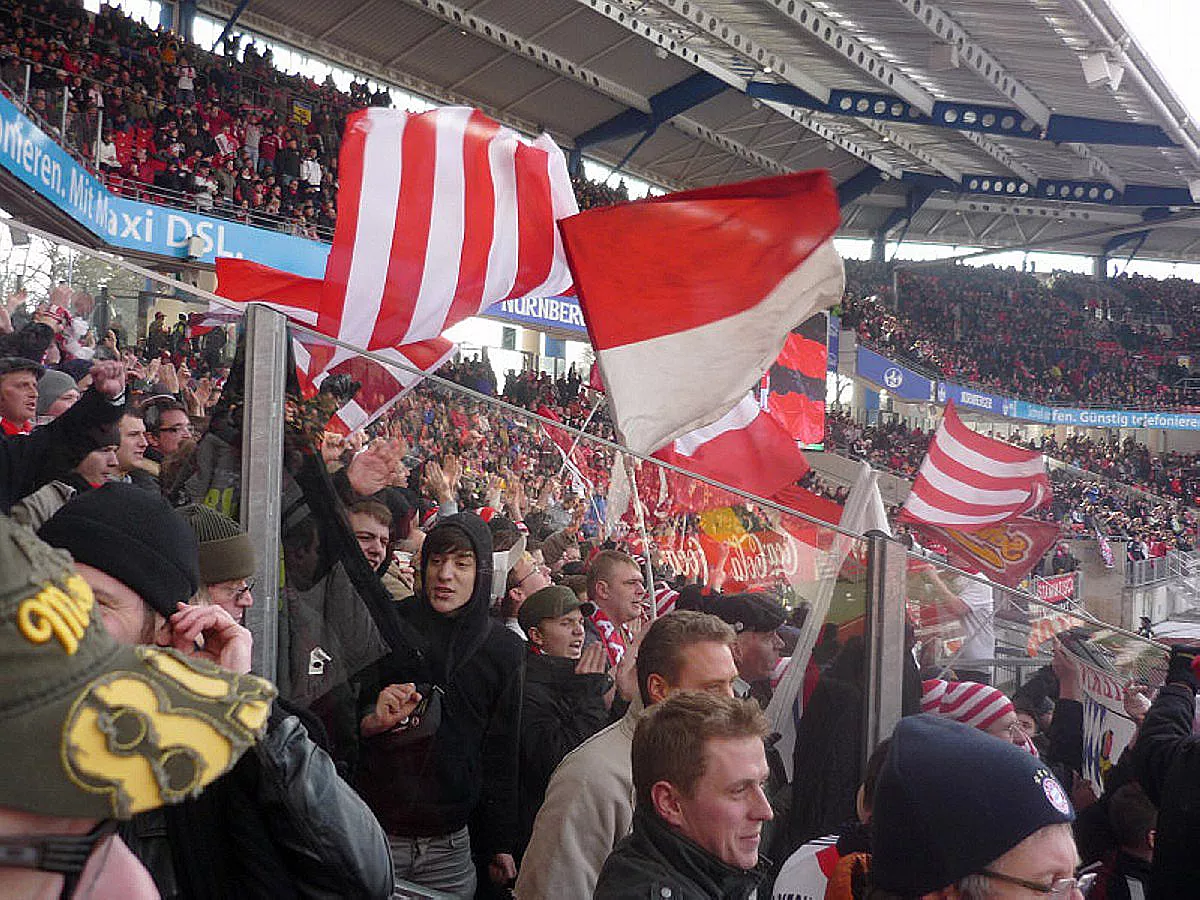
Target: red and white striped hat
977,705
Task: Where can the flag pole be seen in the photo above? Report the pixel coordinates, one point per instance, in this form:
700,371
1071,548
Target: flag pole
641,522
579,435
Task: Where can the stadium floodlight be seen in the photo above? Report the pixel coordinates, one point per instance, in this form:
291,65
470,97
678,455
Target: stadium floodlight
1098,68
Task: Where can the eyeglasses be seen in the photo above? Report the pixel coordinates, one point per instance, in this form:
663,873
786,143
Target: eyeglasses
172,429
1062,888
242,590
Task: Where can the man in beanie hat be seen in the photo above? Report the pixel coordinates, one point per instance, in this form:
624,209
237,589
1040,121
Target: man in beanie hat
93,732
565,691
285,817
226,559
57,392
426,776
958,814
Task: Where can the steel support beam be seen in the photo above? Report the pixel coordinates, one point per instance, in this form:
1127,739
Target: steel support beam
266,352
672,43
664,105
865,181
942,26
966,117
229,23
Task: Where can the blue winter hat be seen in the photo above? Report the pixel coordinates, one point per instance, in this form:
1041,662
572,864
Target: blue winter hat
950,800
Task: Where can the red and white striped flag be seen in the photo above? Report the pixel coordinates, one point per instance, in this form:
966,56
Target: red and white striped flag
969,481
689,297
440,215
381,386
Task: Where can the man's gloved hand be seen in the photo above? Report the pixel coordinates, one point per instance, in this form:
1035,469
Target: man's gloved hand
1184,666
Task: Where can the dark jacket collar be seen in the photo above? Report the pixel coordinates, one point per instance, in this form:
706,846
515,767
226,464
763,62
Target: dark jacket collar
682,855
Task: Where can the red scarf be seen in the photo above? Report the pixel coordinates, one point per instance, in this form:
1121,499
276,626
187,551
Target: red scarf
11,428
614,636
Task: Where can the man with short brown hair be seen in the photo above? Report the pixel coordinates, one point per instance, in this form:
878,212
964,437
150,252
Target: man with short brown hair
589,801
616,586
699,769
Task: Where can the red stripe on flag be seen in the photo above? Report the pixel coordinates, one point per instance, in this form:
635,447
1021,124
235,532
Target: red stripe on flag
998,450
410,240
341,254
536,207
244,281
950,466
478,218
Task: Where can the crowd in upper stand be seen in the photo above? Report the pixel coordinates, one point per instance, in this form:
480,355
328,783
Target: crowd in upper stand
1062,339
1158,514
224,133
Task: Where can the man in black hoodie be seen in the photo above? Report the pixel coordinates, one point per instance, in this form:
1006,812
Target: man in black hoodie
426,773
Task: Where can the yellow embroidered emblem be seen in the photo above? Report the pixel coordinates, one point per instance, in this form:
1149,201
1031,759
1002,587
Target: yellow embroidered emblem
57,613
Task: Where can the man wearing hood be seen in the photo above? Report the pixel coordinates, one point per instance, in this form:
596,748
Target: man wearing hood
454,758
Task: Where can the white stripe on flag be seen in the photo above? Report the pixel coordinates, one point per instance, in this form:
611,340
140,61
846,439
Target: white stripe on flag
977,462
926,513
562,197
446,227
502,256
967,493
378,199
736,419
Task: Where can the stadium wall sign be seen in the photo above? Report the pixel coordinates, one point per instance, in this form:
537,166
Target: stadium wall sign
899,380
41,163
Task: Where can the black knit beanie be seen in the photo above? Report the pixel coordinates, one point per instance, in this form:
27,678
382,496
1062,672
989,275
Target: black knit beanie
133,535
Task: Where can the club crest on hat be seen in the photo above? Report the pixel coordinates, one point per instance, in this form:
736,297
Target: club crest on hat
1054,792
131,736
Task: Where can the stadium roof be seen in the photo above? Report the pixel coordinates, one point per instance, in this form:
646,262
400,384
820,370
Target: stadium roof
1005,123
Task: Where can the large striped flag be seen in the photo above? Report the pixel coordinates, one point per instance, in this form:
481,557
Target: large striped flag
440,215
969,481
690,297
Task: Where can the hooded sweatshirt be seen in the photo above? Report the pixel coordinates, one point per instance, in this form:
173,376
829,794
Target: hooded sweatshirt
432,786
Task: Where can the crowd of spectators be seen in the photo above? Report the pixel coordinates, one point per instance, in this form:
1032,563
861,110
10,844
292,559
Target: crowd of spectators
228,133
1060,339
1159,512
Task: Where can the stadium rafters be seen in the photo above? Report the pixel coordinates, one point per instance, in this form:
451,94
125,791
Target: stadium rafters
1003,123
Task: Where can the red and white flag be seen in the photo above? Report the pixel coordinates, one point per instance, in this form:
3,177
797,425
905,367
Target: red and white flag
689,297
381,386
745,448
440,215
969,481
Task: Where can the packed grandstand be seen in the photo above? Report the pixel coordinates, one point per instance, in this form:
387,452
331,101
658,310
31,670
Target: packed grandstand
467,603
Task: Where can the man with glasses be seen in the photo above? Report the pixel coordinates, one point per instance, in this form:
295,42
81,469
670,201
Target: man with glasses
226,561
167,427
959,815
525,579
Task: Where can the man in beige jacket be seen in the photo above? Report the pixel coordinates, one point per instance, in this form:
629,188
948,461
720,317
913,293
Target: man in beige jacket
589,802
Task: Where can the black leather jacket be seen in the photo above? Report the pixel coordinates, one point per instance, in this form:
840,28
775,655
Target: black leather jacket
655,863
281,824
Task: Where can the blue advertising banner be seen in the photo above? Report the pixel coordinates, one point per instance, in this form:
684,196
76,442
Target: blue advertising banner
562,313
899,380
833,342
968,398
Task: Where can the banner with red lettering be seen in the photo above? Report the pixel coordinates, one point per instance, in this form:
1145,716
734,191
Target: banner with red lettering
748,561
1057,588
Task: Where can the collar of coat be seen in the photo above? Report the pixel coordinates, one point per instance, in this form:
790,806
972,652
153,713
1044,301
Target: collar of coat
691,861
